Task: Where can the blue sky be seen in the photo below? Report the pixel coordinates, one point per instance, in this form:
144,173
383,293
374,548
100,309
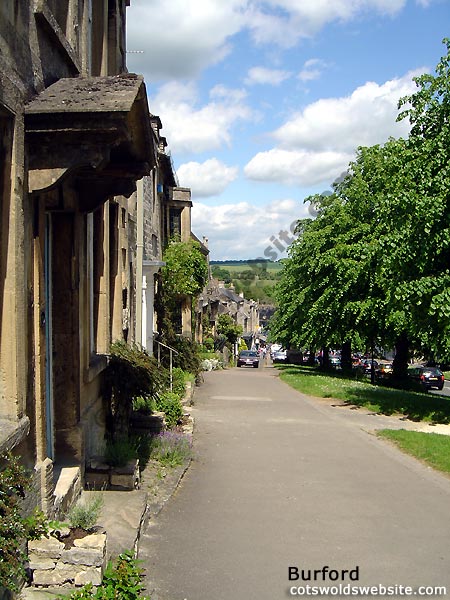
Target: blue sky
265,102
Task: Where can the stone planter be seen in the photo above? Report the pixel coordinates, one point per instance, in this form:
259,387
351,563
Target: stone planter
152,424
100,476
56,562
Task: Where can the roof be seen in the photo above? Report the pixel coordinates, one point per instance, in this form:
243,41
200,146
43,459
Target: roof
95,129
231,295
115,93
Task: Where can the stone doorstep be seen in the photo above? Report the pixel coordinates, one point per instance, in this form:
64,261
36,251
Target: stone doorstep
99,476
67,489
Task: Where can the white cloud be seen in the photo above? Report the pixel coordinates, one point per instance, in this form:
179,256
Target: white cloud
189,128
297,167
312,69
206,179
316,144
262,75
285,22
177,42
366,117
261,226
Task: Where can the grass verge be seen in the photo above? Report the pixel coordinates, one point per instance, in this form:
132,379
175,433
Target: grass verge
431,448
414,405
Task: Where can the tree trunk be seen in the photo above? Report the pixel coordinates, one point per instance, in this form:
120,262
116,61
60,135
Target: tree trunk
346,357
326,365
312,358
400,364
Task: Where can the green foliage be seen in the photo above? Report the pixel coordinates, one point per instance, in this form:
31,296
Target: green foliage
85,513
187,359
145,404
170,404
432,448
374,264
131,373
186,271
221,274
119,452
416,406
228,328
208,343
171,448
242,346
14,528
179,378
121,581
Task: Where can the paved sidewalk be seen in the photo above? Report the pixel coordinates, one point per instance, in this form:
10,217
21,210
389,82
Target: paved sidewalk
283,479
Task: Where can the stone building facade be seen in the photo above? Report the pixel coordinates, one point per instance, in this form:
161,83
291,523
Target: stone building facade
218,299
75,138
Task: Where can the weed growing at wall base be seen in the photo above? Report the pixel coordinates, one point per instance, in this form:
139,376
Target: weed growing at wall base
171,448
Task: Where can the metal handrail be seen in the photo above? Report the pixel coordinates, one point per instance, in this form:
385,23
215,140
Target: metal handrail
171,351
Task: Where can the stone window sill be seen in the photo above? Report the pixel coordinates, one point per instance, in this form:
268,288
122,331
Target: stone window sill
13,432
97,364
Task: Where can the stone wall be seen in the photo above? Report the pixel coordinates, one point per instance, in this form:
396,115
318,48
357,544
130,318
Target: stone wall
54,564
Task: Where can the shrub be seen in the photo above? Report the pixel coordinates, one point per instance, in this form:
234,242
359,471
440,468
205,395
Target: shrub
179,382
170,404
171,448
14,528
84,514
119,452
187,358
131,373
144,404
208,344
122,580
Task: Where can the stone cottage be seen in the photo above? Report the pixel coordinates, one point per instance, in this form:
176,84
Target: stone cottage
75,138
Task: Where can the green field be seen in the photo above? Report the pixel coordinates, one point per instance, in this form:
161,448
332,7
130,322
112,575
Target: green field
255,279
238,266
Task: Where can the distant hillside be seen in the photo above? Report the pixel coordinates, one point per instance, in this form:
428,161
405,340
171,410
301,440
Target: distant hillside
255,279
248,264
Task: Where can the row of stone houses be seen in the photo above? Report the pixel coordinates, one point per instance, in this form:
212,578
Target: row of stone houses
219,299
88,199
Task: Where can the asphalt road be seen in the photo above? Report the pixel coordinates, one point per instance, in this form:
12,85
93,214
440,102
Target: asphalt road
445,391
282,480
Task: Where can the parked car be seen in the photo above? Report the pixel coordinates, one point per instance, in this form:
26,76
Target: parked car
275,348
367,365
428,377
335,362
384,370
279,356
248,358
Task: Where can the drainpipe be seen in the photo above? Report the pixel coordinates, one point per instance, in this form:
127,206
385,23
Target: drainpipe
150,268
140,339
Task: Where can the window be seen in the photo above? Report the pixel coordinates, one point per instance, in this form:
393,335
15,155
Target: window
174,222
154,246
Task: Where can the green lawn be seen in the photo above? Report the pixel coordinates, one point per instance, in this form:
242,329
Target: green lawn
431,448
415,405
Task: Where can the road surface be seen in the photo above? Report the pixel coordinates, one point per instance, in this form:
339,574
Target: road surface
282,481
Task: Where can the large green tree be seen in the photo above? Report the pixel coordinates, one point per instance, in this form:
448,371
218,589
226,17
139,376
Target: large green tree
375,262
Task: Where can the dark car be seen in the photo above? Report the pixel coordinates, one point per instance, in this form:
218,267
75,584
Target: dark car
248,358
427,377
